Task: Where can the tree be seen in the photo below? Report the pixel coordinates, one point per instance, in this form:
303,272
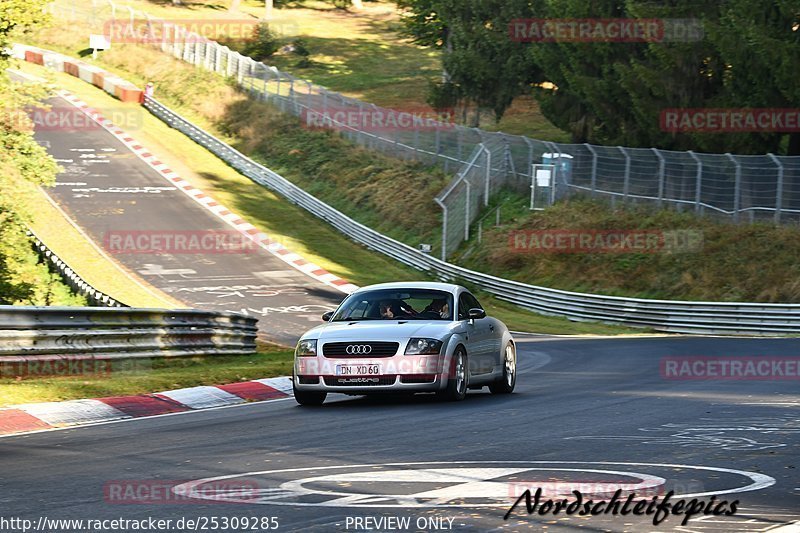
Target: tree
481,64
23,164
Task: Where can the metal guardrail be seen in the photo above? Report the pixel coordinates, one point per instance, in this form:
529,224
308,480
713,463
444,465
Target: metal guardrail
71,278
43,333
662,315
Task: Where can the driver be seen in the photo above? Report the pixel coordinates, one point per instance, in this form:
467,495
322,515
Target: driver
440,307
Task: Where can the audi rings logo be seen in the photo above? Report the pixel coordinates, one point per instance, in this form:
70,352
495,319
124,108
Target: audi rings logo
358,349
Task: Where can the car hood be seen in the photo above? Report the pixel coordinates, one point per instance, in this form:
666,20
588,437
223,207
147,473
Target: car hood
380,330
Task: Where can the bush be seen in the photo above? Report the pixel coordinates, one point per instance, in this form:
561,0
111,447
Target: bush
263,45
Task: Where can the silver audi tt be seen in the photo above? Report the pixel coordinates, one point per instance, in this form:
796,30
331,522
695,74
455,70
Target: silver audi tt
405,337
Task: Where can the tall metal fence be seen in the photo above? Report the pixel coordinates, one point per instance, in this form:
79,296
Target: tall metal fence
739,187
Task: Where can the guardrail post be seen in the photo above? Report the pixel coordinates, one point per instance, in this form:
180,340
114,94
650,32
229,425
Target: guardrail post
737,189
626,184
698,181
594,168
778,189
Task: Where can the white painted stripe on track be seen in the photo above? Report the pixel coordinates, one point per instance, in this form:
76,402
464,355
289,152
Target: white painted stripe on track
72,412
202,397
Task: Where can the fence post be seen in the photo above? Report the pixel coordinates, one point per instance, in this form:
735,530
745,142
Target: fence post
488,174
662,167
466,211
594,168
626,184
698,181
530,155
737,188
554,149
779,189
444,228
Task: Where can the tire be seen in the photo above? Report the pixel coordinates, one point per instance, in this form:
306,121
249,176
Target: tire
309,397
507,382
458,378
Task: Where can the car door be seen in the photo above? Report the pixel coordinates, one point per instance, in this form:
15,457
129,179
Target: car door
479,349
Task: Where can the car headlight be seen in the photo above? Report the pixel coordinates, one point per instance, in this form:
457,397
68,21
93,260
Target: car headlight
423,347
307,348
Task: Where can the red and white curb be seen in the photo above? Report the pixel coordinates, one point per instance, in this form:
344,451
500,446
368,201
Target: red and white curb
34,417
232,219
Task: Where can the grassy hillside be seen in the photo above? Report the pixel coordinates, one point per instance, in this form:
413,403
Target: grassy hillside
745,262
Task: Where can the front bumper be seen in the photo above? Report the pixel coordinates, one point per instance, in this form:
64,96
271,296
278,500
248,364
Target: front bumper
399,373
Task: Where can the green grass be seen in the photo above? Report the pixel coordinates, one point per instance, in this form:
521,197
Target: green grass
757,262
140,376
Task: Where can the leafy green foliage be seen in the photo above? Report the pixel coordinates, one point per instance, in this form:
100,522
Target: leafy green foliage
24,164
613,92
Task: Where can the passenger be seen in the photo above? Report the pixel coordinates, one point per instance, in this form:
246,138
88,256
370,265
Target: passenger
386,309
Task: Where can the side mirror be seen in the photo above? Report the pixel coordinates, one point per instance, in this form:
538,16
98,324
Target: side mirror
327,316
476,312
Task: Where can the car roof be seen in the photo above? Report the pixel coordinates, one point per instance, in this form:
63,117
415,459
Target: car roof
447,287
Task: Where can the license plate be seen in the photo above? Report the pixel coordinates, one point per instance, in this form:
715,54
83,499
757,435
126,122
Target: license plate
358,370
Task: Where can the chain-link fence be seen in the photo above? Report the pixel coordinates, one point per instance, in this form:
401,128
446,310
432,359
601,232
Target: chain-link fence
738,187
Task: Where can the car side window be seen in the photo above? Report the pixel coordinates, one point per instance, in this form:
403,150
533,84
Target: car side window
463,306
466,302
472,301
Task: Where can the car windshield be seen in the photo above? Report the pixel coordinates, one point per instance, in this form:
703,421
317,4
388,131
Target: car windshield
396,304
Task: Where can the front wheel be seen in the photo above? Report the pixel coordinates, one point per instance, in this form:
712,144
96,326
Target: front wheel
506,383
457,380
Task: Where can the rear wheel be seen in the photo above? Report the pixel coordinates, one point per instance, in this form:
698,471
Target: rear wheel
308,397
458,378
506,383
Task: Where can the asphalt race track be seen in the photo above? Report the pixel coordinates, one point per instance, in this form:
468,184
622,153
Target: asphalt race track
585,412
109,191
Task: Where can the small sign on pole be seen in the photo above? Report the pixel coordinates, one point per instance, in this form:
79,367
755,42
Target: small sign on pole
99,42
542,186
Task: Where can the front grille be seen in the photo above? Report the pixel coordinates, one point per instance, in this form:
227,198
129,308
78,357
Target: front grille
420,378
333,381
376,349
308,380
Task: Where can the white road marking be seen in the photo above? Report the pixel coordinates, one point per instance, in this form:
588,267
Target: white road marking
759,481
